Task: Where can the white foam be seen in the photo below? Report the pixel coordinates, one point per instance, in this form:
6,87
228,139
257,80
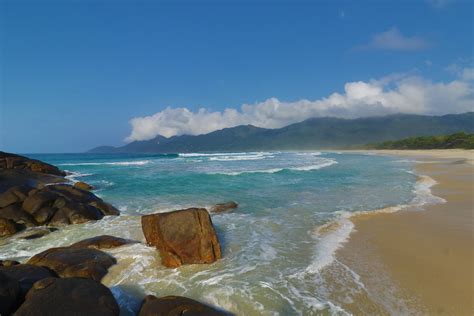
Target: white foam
116,163
325,163
328,243
240,157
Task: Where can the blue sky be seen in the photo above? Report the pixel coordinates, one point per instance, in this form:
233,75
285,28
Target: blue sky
74,73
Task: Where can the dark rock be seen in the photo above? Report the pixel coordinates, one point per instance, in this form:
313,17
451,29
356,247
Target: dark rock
8,227
75,262
10,294
175,306
223,207
71,296
101,242
182,237
44,214
14,195
8,263
36,201
79,213
59,219
12,161
105,208
18,215
83,186
72,193
26,275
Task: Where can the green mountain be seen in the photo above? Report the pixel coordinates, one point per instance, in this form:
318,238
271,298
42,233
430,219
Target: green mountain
315,133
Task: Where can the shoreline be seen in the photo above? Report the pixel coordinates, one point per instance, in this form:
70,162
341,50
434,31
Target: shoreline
419,261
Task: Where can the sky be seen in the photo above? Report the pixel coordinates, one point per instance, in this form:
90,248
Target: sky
76,74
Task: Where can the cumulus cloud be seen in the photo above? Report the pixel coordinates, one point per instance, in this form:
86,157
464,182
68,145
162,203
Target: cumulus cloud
393,94
393,39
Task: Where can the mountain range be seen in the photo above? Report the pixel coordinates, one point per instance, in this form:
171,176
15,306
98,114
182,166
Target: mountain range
314,133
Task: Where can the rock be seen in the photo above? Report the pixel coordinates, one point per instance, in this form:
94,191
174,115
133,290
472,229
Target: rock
26,275
44,214
35,233
10,294
101,242
59,219
12,161
75,262
71,296
14,195
106,208
8,263
78,213
175,306
18,215
83,186
182,237
8,227
72,193
38,200
222,207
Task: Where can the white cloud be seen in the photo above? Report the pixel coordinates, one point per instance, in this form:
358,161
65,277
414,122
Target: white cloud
393,39
392,94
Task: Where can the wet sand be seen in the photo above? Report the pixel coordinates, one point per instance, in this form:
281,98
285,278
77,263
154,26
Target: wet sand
421,261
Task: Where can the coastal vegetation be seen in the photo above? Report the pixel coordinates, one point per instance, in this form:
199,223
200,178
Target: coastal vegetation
457,140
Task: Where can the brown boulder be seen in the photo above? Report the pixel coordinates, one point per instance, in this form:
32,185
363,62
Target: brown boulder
36,201
223,207
10,294
83,186
101,242
59,219
75,262
44,214
8,227
12,161
175,306
36,232
18,215
105,208
8,263
14,195
182,237
26,275
79,213
71,296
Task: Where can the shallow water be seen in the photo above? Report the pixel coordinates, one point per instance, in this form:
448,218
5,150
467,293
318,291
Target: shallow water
278,246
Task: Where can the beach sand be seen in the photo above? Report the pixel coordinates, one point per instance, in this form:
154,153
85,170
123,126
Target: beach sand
420,261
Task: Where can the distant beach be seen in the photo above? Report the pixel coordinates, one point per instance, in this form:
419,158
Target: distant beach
420,260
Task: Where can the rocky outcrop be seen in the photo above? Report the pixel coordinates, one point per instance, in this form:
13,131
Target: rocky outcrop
17,162
75,262
175,306
102,242
182,237
224,207
10,294
53,205
26,275
70,296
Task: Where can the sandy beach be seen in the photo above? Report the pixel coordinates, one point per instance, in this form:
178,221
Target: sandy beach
420,261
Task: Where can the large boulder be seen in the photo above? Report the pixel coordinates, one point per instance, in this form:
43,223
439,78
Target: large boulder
175,306
71,296
12,161
182,237
75,262
101,242
10,294
26,274
14,195
223,207
15,213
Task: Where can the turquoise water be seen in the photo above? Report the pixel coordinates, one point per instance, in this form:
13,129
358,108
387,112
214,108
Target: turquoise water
274,251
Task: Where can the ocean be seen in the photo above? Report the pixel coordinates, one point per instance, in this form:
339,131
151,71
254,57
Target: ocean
278,247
